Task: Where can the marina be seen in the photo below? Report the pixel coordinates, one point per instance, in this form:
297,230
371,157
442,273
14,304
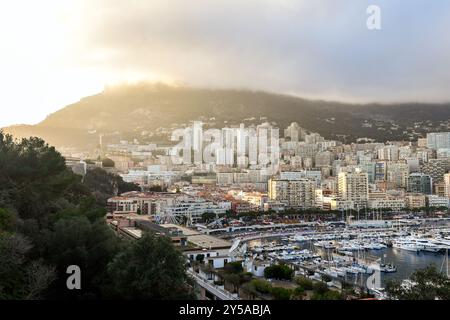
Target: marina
352,256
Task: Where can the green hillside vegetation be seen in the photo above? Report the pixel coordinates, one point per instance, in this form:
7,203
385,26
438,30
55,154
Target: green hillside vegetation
126,111
49,220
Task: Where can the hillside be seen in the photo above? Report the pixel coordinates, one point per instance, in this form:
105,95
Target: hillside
148,112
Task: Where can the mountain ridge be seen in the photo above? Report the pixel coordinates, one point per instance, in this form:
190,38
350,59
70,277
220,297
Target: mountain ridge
130,111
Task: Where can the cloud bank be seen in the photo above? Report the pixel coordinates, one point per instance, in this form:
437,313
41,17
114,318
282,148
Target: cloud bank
312,48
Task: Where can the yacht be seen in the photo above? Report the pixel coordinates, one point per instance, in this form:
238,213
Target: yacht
407,246
442,243
427,245
431,247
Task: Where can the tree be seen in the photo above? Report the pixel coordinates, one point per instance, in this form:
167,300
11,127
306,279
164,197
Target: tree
304,283
105,185
233,279
279,271
150,268
33,177
200,258
298,293
234,267
208,216
8,220
20,276
91,245
261,285
320,288
426,284
281,293
327,295
107,163
50,219
257,286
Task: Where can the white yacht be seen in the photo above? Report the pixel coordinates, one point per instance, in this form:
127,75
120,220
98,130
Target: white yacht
407,245
443,243
426,245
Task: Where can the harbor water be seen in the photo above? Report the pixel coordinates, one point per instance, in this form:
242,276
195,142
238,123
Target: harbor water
406,261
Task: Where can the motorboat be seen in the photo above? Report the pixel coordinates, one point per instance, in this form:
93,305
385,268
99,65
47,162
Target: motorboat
388,268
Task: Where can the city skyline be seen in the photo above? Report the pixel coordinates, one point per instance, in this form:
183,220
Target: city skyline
224,150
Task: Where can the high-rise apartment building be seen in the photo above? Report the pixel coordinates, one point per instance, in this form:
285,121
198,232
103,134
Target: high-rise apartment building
298,194
420,183
397,173
389,153
436,168
353,186
438,140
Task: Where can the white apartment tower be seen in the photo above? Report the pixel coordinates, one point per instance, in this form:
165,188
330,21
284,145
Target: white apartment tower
354,186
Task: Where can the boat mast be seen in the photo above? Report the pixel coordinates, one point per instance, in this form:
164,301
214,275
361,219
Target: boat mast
445,263
446,257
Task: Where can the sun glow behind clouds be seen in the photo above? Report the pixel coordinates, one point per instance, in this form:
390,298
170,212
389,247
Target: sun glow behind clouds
35,72
53,52
43,64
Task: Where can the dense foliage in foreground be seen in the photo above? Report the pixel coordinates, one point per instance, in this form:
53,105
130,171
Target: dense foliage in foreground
50,219
425,284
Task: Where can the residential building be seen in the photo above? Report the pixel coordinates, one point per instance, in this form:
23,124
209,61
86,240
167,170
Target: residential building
298,194
353,186
419,183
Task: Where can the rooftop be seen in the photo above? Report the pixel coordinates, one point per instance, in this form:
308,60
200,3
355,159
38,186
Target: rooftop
199,239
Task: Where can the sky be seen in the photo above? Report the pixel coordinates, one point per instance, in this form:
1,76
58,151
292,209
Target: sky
52,52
